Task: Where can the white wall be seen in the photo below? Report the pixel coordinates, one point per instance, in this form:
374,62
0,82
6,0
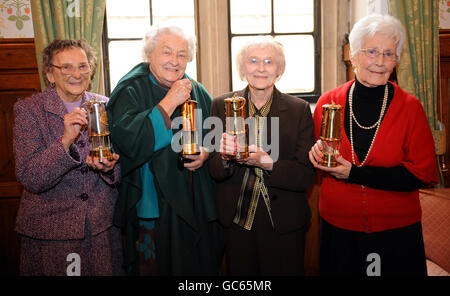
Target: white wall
358,9
444,14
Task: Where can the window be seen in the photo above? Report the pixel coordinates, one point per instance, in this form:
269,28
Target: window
296,25
125,26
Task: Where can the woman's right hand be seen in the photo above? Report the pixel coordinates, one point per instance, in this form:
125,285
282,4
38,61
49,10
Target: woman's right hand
228,145
315,154
73,124
177,95
341,171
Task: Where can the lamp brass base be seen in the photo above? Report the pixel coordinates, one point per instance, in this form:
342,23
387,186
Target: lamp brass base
328,160
190,149
238,156
101,154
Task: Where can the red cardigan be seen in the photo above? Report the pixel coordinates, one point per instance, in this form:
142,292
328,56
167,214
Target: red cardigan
404,138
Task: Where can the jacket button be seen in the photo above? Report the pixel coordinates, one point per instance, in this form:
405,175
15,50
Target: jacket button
84,197
274,197
84,170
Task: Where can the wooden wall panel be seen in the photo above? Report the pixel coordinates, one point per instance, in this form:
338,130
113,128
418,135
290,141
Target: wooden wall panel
20,81
17,54
312,246
6,125
9,240
19,78
7,100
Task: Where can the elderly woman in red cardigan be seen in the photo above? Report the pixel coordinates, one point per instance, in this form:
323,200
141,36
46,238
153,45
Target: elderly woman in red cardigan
369,203
65,214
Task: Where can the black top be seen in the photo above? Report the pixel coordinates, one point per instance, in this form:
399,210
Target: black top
367,103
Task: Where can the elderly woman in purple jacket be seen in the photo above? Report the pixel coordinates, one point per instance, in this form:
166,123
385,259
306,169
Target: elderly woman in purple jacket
65,214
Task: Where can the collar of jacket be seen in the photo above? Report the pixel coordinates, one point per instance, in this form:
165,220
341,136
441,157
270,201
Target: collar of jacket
278,103
54,104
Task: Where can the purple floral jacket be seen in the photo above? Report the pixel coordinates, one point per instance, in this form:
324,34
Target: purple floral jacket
60,190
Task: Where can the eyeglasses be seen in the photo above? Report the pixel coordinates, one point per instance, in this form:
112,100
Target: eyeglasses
70,69
374,52
257,61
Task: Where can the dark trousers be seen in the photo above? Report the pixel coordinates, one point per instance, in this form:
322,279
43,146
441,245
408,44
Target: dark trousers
263,251
397,251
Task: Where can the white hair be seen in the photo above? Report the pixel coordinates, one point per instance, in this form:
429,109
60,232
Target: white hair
261,42
156,31
373,24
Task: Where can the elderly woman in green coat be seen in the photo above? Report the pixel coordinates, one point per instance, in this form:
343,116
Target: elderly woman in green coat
171,212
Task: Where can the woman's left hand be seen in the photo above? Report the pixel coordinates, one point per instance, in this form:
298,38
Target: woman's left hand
198,160
104,166
342,171
258,158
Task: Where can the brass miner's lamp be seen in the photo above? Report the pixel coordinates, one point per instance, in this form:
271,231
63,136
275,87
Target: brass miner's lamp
189,135
98,129
235,125
330,135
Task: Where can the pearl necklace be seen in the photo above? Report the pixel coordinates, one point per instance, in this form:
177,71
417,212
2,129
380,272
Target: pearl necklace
377,124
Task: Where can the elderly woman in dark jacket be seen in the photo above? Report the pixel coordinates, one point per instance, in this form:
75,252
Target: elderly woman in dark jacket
65,214
262,198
